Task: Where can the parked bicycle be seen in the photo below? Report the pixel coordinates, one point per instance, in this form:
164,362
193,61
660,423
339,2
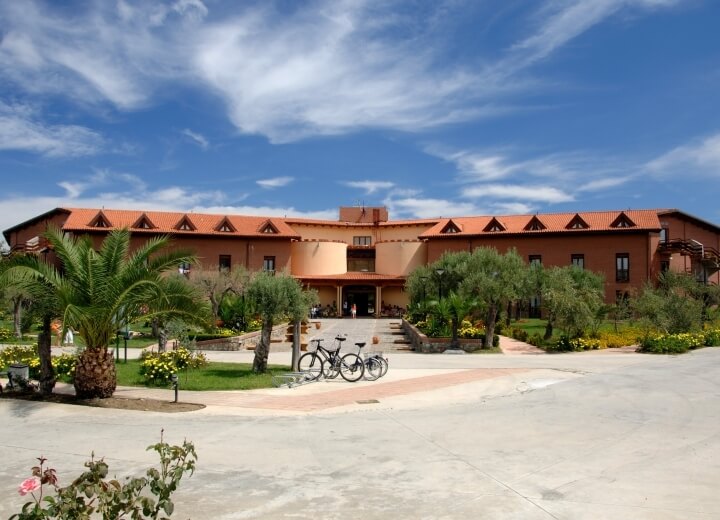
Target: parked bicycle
375,363
329,363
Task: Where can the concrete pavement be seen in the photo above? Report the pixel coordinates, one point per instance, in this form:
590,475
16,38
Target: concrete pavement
593,435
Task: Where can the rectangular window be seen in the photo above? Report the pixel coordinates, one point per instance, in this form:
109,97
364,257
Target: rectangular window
269,263
535,259
622,267
664,266
362,241
663,235
578,261
224,263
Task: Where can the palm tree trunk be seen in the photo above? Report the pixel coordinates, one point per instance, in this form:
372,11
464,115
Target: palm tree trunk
17,316
47,373
95,374
263,348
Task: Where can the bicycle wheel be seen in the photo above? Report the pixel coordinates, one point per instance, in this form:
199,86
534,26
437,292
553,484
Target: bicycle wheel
385,365
331,368
373,368
352,367
311,365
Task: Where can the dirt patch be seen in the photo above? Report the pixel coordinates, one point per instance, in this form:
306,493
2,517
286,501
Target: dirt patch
122,403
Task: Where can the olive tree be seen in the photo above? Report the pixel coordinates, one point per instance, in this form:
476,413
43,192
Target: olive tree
572,298
273,295
493,279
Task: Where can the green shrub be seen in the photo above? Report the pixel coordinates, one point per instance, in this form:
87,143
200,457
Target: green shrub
519,334
712,338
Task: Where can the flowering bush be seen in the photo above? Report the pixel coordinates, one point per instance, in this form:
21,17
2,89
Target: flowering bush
712,338
565,344
6,334
158,368
93,495
672,343
64,365
468,330
21,354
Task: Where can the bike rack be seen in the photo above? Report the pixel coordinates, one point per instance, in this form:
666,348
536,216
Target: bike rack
292,379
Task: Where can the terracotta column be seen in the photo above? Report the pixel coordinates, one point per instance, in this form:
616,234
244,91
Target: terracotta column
338,301
378,300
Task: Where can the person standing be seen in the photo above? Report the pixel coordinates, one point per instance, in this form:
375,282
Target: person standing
353,310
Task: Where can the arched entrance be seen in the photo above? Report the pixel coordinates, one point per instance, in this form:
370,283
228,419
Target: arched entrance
363,296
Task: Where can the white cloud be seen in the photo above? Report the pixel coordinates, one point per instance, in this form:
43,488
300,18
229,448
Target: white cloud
507,191
428,208
197,138
512,208
560,21
697,158
109,52
21,129
603,184
324,70
370,186
275,182
326,67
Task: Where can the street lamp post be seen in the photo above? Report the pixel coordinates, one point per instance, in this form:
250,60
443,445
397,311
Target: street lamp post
440,273
424,282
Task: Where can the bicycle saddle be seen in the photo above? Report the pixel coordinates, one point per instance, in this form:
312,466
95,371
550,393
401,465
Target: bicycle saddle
361,345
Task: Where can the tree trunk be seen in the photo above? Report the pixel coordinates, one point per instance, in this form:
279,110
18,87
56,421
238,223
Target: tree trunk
47,373
162,339
17,316
155,328
454,341
490,326
263,348
95,374
548,329
509,314
296,345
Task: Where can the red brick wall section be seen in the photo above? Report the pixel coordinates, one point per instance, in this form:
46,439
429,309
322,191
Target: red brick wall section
556,250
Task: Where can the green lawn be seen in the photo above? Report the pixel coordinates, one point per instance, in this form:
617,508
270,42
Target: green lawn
215,376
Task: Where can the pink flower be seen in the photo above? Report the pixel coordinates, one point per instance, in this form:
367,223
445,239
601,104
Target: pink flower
29,485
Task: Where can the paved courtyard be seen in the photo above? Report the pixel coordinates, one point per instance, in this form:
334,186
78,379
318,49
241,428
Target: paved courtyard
590,435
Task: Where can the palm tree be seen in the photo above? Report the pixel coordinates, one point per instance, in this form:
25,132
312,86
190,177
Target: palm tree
99,292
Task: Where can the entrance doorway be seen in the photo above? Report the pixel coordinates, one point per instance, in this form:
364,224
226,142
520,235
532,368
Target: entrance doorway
363,296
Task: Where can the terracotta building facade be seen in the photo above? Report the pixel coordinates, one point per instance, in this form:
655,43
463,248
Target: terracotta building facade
364,258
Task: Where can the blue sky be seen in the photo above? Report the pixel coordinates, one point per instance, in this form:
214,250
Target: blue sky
430,108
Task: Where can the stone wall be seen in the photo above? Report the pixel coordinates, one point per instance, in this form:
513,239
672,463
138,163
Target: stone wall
245,342
422,343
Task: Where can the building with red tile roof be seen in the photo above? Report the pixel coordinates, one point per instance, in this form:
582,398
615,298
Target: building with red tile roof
365,258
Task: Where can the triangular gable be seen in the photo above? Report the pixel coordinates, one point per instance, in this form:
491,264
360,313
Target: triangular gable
494,226
535,224
268,228
450,227
225,226
185,224
577,222
100,221
622,221
143,222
